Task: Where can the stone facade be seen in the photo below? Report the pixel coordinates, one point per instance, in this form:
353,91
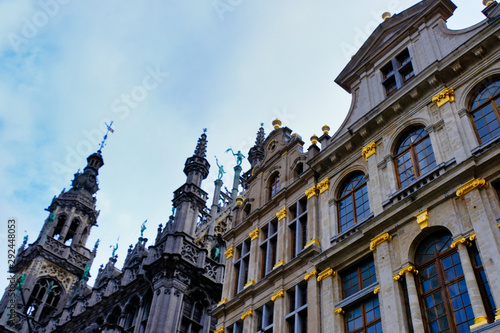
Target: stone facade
352,229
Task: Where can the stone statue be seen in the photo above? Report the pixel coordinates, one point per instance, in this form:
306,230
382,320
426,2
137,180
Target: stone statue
239,156
221,169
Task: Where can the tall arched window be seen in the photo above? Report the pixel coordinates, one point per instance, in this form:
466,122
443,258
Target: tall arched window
443,292
59,226
414,156
131,311
353,203
44,299
274,185
485,111
192,315
71,232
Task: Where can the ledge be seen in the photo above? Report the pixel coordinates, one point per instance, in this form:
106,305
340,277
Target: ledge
352,230
486,146
360,295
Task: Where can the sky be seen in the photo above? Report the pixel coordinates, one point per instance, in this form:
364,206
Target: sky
162,72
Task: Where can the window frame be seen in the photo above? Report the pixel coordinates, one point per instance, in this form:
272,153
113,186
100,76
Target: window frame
352,194
362,305
492,100
298,226
241,264
269,247
298,315
274,185
413,154
401,62
265,318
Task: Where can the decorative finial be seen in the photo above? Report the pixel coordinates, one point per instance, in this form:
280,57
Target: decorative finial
487,2
204,130
276,123
106,135
239,156
221,169
259,141
325,129
261,124
386,15
201,147
314,139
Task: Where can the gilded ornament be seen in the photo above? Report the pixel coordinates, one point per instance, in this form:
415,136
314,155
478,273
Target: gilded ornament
472,237
376,290
224,300
311,242
229,252
423,219
408,268
254,234
479,321
323,185
247,314
338,311
219,330
458,241
470,185
279,294
326,273
309,275
313,191
445,96
281,214
379,240
369,150
249,283
279,263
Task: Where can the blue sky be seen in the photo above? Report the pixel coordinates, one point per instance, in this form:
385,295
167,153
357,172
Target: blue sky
66,67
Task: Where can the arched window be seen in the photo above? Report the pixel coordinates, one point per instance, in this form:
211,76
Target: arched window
145,309
353,203
414,156
443,292
59,226
131,311
274,185
485,111
71,231
192,315
44,299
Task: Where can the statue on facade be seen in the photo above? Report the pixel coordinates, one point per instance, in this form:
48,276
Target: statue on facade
221,169
239,156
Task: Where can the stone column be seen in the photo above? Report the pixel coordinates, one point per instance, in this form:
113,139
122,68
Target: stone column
374,187
313,305
283,234
487,236
236,182
333,317
390,297
249,323
312,216
215,200
416,315
472,287
229,278
253,264
455,136
390,174
166,307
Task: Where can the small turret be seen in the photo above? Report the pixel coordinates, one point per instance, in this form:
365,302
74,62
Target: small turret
256,153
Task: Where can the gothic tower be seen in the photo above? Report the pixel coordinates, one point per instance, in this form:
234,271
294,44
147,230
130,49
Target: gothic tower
186,282
49,270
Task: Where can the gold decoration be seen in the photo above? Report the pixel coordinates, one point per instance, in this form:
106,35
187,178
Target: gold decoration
279,294
470,185
326,273
323,185
229,252
59,274
314,139
479,321
458,241
224,300
376,290
281,214
260,174
325,129
220,330
408,268
284,154
310,274
379,240
396,277
472,237
276,123
247,314
311,242
369,150
423,219
249,283
497,314
254,234
446,95
313,191
338,311
239,200
487,2
386,15
279,263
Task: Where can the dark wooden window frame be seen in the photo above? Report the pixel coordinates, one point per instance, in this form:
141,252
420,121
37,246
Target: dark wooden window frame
269,247
265,323
358,268
298,309
394,72
491,100
241,264
298,226
366,324
274,185
351,194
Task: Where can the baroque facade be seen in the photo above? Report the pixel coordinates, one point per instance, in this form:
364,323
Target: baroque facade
392,223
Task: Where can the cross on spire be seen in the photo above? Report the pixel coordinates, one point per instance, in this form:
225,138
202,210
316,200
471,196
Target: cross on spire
106,135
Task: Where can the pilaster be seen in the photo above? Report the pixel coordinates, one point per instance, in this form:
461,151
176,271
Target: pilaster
416,315
313,306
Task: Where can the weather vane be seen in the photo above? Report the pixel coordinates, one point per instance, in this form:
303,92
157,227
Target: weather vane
106,135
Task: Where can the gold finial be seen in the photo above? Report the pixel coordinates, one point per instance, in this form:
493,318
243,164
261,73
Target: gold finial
487,2
386,15
239,200
276,123
325,129
314,139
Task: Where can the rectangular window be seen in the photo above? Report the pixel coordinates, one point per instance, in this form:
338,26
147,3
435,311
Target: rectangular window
241,265
298,226
364,317
358,277
297,317
265,318
482,281
237,327
269,247
397,72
